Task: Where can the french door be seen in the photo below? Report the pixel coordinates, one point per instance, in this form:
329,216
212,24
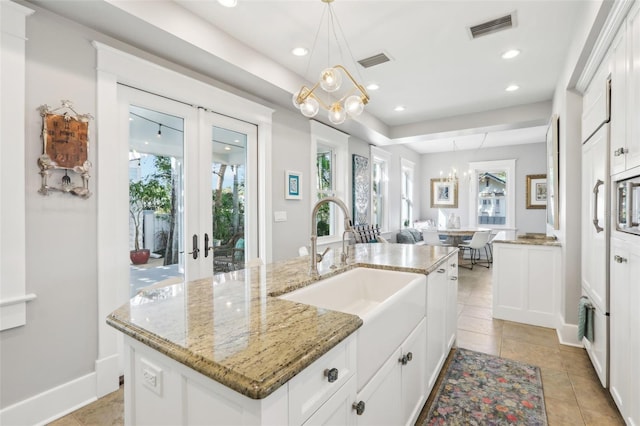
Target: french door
192,189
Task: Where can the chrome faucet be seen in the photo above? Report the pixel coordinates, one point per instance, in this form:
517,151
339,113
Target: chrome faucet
315,257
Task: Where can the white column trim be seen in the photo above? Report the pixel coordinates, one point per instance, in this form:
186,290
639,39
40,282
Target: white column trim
13,297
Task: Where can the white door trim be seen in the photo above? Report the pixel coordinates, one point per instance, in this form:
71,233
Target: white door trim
117,67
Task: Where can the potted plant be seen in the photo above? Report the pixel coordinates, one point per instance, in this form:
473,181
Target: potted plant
148,194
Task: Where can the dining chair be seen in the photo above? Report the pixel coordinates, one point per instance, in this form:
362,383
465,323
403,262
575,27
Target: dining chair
432,238
478,242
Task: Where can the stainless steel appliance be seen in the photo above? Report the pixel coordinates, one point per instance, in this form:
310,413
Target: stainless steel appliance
628,205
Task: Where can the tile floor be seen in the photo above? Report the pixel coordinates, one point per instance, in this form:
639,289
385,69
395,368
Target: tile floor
572,392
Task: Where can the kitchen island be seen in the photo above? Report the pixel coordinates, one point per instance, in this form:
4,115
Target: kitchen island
188,341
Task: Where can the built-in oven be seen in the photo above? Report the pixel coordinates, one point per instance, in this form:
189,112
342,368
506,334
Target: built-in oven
628,205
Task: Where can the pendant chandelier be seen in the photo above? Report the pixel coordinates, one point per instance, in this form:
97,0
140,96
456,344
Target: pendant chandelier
339,101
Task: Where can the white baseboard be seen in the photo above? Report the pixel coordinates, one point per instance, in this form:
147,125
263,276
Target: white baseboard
107,375
51,404
568,334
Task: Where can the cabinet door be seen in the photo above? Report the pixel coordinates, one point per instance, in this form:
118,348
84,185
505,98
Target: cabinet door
619,65
338,409
619,384
414,385
382,396
633,417
595,102
595,213
436,320
452,301
633,114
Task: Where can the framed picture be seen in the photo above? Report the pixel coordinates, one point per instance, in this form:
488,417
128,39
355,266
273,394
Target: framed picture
360,190
536,191
292,185
553,174
444,193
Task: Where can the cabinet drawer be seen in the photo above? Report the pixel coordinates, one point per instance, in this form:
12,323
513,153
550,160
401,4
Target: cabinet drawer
311,388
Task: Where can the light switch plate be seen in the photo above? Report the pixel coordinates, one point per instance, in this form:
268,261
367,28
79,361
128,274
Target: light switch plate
280,216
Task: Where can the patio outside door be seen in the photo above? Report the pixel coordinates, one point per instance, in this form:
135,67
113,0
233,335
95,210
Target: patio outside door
191,189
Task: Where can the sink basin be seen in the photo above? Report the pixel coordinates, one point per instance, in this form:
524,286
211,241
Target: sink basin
390,304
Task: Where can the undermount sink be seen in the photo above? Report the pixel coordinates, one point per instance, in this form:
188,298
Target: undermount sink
390,304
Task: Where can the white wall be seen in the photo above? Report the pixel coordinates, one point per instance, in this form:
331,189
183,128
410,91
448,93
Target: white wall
530,159
58,343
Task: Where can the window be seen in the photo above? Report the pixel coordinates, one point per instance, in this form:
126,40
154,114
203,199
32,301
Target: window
492,194
330,165
407,168
380,188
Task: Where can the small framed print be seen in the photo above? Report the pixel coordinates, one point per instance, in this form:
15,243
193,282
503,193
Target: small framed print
444,193
536,191
292,185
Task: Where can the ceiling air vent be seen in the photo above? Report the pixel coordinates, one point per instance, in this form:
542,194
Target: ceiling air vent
492,26
374,60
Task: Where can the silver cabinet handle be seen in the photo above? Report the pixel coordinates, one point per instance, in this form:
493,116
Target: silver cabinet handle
441,271
620,151
331,374
619,259
595,206
359,407
454,278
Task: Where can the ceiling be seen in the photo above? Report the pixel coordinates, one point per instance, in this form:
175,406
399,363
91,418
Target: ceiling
452,86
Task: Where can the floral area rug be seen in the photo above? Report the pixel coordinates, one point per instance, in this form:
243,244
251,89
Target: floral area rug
481,389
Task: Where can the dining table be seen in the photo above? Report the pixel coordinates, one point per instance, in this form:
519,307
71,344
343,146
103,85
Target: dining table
456,235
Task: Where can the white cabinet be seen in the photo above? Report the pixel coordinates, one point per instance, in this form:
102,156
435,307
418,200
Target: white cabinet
451,326
526,283
625,95
632,157
437,284
618,66
595,217
312,386
625,323
396,394
338,410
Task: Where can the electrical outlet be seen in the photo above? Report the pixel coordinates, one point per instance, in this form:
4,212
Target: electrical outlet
151,376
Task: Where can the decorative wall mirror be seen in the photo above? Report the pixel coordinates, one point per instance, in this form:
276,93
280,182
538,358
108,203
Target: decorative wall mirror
553,161
65,140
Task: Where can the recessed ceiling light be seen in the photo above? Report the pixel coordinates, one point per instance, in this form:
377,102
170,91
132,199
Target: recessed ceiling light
228,3
300,51
399,108
512,88
373,86
227,148
509,54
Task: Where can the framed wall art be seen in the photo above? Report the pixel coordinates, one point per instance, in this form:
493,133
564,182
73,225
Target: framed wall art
292,185
553,174
444,193
536,191
360,191
65,148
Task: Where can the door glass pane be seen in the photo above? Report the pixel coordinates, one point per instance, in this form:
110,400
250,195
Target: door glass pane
324,165
492,191
228,186
156,156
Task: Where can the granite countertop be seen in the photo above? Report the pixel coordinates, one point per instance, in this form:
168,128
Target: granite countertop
234,330
532,239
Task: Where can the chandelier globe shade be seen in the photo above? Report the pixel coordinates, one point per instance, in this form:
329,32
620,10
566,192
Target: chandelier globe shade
336,91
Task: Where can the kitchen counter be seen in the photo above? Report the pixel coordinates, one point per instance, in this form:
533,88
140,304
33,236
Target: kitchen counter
232,329
531,240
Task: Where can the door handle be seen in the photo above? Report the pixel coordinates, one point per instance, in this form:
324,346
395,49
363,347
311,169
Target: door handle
196,250
595,206
207,247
